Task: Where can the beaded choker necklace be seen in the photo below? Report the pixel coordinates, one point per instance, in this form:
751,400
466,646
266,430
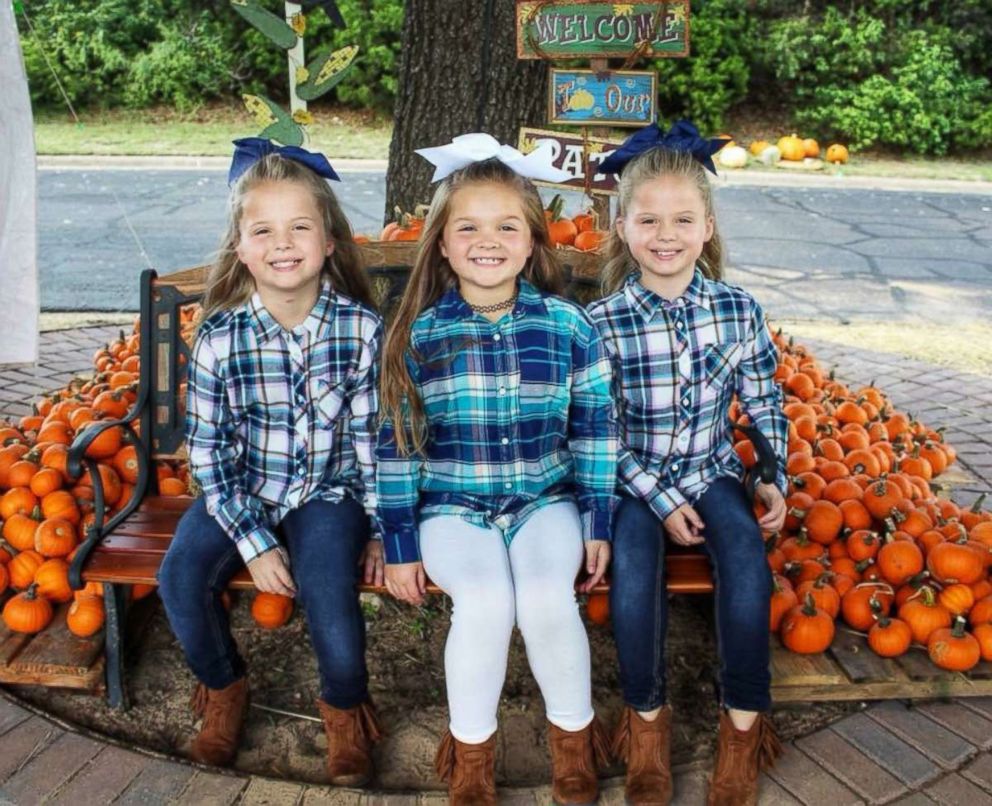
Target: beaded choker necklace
496,306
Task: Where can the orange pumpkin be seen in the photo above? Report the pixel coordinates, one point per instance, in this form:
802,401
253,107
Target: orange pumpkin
954,649
23,567
61,504
4,578
19,529
856,607
271,610
589,240
55,537
17,499
837,153
899,560
806,629
27,612
958,599
811,148
951,561
598,608
85,616
825,597
783,600
983,634
924,614
52,579
890,637
791,148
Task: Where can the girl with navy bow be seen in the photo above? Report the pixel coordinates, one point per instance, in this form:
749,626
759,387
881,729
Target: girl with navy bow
281,409
684,345
497,460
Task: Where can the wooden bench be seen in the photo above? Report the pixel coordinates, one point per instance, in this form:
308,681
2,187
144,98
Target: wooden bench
127,548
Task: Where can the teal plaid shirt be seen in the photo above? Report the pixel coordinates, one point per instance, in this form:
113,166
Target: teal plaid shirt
519,415
678,364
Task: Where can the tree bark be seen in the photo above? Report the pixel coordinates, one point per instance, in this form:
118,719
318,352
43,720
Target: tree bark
459,73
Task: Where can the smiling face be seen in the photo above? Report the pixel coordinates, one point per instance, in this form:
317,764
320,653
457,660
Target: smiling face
281,240
487,241
665,227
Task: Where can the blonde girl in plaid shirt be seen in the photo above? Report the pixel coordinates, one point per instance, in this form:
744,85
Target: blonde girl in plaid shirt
280,415
684,344
496,468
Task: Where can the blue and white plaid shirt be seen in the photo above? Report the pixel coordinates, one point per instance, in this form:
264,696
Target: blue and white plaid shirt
519,415
277,418
678,363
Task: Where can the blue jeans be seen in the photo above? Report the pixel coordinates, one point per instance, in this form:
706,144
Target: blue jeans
324,541
639,602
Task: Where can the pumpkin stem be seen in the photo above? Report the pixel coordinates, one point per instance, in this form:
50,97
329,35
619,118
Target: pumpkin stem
809,606
976,508
958,629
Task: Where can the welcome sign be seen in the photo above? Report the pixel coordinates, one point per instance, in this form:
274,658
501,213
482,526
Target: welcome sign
590,29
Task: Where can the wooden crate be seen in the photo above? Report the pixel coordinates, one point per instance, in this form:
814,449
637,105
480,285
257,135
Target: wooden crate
53,657
849,670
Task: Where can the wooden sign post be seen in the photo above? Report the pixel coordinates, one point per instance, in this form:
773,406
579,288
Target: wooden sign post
598,97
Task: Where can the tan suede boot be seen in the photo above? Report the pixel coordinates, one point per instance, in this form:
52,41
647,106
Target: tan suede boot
646,747
468,769
740,757
351,732
223,712
575,759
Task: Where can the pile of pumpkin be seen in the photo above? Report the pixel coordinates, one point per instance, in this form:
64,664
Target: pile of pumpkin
45,513
790,149
866,539
578,231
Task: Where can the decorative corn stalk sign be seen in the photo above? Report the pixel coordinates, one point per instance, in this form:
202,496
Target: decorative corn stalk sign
307,82
598,97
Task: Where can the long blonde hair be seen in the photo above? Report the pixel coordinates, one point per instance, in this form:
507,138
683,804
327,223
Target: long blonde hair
652,164
432,276
230,284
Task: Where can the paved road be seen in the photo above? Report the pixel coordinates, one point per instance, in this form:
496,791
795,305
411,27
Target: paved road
805,253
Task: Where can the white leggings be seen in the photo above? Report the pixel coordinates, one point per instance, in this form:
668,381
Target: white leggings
533,583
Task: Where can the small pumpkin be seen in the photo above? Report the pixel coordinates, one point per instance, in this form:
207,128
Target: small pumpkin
271,610
983,634
52,580
27,612
783,600
589,240
19,529
85,616
791,148
889,637
811,148
954,649
924,614
23,567
951,561
856,608
732,157
825,596
837,153
957,598
598,608
806,629
55,537
4,578
899,561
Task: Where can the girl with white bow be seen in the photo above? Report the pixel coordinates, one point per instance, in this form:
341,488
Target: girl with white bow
497,459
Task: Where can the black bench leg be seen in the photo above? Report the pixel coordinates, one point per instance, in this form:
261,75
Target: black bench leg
115,606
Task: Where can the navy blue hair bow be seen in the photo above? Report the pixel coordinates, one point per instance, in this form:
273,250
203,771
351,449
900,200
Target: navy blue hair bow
683,136
249,150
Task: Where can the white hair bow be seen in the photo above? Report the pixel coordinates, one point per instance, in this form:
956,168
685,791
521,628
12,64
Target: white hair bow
477,146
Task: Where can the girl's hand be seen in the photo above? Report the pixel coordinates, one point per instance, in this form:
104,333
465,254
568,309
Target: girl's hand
270,572
770,495
685,526
597,561
407,582
372,561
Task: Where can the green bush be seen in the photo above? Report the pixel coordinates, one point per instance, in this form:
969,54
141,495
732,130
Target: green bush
856,79
704,87
182,52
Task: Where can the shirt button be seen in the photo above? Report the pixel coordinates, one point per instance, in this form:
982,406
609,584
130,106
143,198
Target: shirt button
497,337
508,485
504,441
502,390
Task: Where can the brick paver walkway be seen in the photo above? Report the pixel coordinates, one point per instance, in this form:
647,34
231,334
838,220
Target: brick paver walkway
938,752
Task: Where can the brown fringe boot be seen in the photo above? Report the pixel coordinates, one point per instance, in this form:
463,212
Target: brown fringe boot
351,732
740,757
576,757
646,748
223,712
468,769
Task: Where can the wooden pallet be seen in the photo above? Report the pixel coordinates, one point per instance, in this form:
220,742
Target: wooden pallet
53,657
849,670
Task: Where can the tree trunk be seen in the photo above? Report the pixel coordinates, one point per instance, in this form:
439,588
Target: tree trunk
459,73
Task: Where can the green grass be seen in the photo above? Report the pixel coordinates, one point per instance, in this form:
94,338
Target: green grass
206,132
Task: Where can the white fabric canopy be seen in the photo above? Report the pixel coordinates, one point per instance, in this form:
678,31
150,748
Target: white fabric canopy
18,202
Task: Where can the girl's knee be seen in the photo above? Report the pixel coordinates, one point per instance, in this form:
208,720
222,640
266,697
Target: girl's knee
546,612
488,609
